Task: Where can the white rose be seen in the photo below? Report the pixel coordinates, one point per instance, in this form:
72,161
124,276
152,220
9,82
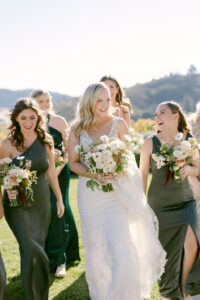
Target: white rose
104,139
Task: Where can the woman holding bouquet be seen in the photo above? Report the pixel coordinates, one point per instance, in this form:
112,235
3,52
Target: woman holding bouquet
62,240
123,254
121,106
29,218
2,268
174,206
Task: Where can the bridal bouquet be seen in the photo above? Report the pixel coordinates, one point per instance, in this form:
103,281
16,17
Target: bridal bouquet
18,178
107,156
175,157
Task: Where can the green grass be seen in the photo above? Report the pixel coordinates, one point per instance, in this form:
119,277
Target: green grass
72,287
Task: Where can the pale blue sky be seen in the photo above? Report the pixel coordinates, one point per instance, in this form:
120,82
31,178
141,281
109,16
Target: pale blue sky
64,45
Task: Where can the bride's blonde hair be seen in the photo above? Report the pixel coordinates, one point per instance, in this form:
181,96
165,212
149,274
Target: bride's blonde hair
85,113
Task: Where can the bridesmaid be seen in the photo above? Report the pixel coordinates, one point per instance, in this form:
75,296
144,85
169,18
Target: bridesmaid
62,240
175,208
28,139
194,122
122,106
2,269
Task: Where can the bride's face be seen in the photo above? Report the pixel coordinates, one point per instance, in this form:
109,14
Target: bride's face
103,103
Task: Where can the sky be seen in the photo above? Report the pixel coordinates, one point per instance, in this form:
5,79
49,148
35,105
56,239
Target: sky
65,45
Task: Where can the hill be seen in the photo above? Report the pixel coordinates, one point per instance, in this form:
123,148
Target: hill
9,97
184,89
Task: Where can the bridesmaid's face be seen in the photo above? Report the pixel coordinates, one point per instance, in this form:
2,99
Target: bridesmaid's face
165,118
102,106
113,89
27,120
44,102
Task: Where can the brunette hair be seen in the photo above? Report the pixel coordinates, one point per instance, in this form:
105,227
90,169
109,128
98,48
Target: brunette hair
121,99
15,135
176,108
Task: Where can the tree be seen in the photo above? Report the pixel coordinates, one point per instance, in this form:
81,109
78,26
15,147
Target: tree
192,70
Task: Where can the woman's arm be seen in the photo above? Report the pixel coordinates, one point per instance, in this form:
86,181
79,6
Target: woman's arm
145,158
126,114
53,181
6,150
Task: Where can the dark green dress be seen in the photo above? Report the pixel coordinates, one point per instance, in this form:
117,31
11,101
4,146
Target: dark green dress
2,278
30,225
62,240
175,209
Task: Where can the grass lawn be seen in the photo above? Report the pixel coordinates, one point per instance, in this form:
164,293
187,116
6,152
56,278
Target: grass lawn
72,287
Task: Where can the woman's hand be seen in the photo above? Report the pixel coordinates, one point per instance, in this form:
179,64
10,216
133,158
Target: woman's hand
12,194
184,172
60,208
105,178
59,169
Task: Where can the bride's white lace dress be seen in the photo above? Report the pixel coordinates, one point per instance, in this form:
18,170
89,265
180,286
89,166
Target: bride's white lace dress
120,234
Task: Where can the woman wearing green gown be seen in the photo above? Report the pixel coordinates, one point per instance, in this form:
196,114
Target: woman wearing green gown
62,241
175,208
28,140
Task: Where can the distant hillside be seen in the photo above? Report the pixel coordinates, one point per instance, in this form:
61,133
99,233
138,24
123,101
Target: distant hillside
184,89
9,97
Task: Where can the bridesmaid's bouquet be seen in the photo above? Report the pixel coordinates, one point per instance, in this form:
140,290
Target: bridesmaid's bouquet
18,178
175,157
58,158
107,156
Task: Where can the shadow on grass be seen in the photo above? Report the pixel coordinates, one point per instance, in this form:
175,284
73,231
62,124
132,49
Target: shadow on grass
78,290
14,289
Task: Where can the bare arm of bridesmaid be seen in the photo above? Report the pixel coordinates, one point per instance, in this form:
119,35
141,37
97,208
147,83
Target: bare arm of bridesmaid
145,159
7,150
53,181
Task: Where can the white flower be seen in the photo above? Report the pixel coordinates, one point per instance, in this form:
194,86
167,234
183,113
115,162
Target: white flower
77,148
114,145
104,139
127,137
106,154
96,156
179,136
101,147
6,160
20,157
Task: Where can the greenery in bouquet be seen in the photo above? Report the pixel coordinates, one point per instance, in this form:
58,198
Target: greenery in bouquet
107,156
176,156
18,178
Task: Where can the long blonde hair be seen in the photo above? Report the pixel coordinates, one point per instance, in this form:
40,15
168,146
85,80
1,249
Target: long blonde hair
85,112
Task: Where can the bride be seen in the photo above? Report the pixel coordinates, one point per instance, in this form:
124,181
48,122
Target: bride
120,231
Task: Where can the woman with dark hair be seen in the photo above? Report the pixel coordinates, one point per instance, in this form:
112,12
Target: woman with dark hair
2,268
28,140
121,105
62,240
174,206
